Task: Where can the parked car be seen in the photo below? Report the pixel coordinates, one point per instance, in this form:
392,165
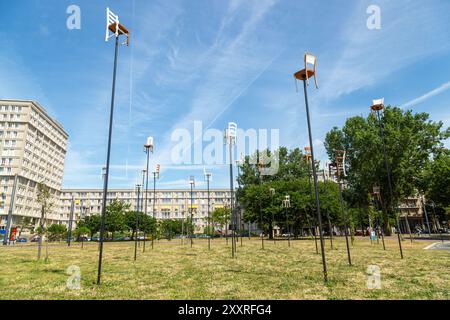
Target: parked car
287,235
22,240
35,239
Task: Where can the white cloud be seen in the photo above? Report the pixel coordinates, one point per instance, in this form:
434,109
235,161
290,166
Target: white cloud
428,95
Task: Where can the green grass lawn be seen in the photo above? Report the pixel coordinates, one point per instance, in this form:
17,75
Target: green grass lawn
173,271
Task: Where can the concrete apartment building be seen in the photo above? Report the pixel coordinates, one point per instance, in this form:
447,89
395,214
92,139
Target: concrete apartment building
33,148
170,204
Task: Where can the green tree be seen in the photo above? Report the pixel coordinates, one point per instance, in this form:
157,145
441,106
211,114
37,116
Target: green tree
221,217
170,228
91,223
56,232
410,140
115,217
81,231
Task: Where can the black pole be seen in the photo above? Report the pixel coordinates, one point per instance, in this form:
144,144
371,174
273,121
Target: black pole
287,226
7,236
319,216
311,206
147,150
137,223
260,209
191,231
381,228
330,227
273,219
232,213
154,207
386,163
209,215
108,158
144,173
69,233
426,217
344,213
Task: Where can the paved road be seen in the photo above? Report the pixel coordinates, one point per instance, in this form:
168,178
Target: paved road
440,246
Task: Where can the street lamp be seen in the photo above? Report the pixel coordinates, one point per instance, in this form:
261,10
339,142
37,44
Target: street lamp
191,227
340,172
272,195
377,106
230,140
208,177
156,174
286,206
148,148
112,25
138,192
239,162
304,75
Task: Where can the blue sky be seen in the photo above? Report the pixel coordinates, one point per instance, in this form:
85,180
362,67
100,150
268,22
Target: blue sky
216,62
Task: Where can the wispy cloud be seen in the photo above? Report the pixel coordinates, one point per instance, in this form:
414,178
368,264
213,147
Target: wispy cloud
428,95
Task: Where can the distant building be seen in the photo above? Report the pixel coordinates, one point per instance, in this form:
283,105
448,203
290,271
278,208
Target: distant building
170,204
33,148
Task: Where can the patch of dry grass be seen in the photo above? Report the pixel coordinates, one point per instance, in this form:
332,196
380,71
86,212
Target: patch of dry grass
173,271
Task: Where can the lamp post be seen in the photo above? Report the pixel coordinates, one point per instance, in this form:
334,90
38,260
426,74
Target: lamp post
148,148
191,226
377,106
208,177
113,25
230,140
286,206
155,176
308,160
138,191
304,76
340,171
272,195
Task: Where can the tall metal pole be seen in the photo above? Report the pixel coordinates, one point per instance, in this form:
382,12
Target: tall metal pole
426,217
144,173
108,158
260,208
191,231
233,219
147,150
391,193
69,233
330,227
137,222
154,206
10,214
344,213
209,213
311,205
316,189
